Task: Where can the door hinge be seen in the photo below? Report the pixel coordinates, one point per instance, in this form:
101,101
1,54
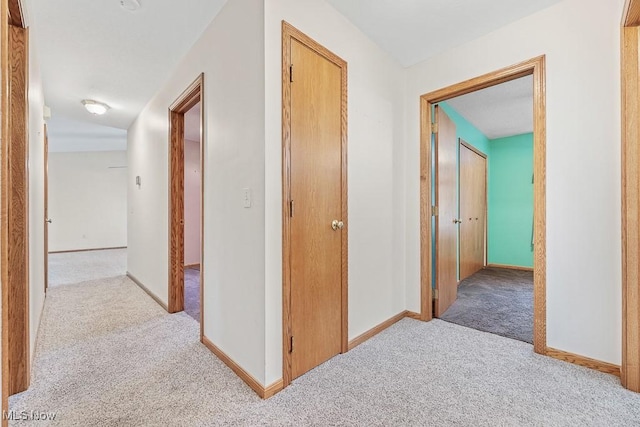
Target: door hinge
291,208
434,211
435,294
291,345
434,127
291,73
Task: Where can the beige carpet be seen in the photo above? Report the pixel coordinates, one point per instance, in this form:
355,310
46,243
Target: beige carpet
495,300
108,355
75,267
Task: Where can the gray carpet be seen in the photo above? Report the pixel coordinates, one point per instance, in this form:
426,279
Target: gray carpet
108,355
75,267
192,292
496,300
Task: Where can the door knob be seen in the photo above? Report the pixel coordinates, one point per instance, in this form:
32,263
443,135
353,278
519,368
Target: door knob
49,220
335,224
456,221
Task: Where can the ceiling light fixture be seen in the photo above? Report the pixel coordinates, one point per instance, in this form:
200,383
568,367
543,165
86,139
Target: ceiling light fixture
95,107
130,4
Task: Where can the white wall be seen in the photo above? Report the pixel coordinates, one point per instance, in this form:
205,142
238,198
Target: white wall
87,200
375,170
231,55
192,185
36,190
580,39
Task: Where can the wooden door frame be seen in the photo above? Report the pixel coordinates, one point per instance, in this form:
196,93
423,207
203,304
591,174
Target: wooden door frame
630,81
535,67
14,216
288,33
193,94
46,209
461,143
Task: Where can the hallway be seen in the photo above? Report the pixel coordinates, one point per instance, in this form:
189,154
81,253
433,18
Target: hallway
108,355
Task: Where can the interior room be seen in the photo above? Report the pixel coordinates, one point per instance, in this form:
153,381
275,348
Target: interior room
494,130
86,202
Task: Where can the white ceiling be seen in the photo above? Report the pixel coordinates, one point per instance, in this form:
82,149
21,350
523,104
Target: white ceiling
70,135
414,30
98,50
192,123
499,111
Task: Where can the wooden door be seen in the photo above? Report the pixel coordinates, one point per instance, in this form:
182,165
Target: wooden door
473,208
446,149
316,192
47,220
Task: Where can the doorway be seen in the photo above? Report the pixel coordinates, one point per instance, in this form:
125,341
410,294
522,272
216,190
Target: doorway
491,145
192,210
438,225
186,204
314,204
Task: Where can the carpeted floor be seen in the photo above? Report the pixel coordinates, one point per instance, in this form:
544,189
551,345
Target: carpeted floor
75,267
496,300
192,292
108,355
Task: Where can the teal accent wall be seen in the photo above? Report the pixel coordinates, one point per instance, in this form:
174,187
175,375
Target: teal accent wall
510,219
465,130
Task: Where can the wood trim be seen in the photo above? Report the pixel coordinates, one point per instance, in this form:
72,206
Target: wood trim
46,209
263,392
193,94
289,32
472,148
15,14
510,267
203,128
631,13
426,203
587,362
4,203
630,70
377,329
413,315
155,297
87,250
18,211
535,67
192,266
271,390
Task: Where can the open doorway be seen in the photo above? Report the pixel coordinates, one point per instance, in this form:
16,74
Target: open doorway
85,174
440,215
492,136
192,209
185,202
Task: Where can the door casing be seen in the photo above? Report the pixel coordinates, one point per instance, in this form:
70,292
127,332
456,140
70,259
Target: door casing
288,33
630,67
193,94
536,68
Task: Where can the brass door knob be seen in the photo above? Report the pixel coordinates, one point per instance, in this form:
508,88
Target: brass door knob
337,225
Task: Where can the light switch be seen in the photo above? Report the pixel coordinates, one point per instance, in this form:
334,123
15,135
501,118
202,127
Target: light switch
246,197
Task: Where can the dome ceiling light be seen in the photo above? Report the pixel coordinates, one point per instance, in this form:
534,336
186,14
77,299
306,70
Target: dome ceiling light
95,107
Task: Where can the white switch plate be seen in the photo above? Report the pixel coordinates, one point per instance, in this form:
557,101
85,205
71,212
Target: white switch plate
246,197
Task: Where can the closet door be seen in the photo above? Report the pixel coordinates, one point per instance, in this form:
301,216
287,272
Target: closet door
473,209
